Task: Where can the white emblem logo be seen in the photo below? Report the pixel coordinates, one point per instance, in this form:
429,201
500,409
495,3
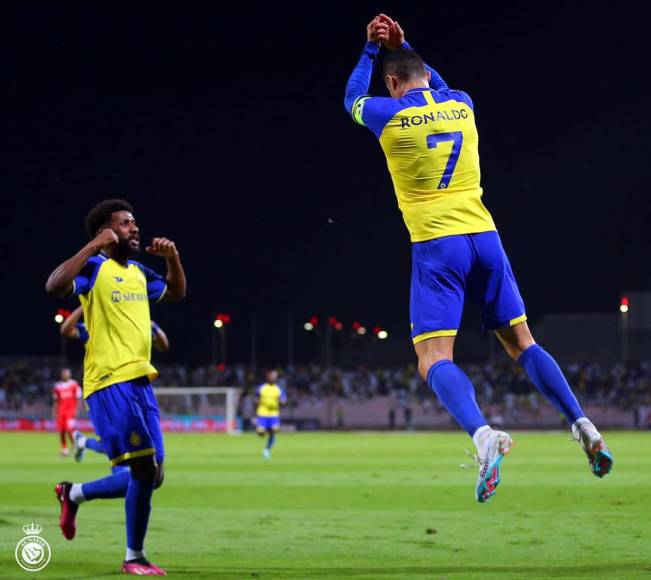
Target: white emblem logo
33,552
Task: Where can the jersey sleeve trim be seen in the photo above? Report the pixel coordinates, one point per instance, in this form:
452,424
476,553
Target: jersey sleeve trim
162,294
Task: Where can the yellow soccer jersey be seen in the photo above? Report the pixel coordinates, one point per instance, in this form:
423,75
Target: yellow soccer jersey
430,142
270,397
116,299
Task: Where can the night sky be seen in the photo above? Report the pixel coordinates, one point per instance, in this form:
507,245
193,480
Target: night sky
226,130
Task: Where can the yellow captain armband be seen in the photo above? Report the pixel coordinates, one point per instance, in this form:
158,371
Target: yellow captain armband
358,108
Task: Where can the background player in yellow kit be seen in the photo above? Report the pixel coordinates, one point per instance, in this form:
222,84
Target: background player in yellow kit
428,134
269,398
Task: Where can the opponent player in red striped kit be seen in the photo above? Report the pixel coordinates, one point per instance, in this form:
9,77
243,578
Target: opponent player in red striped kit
66,395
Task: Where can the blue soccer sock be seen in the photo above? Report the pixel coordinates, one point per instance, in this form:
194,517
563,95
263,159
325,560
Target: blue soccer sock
108,487
545,373
455,391
138,507
94,444
271,440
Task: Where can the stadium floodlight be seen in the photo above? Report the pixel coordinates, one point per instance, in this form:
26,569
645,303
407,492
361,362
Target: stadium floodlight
382,334
623,305
308,326
61,315
218,323
361,330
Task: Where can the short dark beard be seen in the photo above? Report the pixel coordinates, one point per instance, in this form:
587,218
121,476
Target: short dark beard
124,250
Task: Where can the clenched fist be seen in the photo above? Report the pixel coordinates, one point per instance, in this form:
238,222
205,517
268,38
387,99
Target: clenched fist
162,247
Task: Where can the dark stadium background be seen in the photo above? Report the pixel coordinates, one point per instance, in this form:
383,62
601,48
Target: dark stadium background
225,128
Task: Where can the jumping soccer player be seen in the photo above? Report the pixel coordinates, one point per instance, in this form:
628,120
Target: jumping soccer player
66,395
428,135
115,292
73,327
269,398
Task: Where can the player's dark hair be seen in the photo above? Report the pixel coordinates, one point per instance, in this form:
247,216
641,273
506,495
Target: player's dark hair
404,63
100,215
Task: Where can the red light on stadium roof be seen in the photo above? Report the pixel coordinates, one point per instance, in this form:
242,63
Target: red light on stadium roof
357,325
332,321
624,301
225,318
338,325
221,367
377,329
314,321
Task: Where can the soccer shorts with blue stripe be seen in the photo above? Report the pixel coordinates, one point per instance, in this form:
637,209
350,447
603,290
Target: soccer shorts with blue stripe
447,270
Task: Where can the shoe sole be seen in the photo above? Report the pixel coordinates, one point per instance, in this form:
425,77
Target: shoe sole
603,460
492,479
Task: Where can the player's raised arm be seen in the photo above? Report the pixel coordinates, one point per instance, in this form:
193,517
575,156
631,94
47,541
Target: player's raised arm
175,279
68,327
60,281
360,79
394,38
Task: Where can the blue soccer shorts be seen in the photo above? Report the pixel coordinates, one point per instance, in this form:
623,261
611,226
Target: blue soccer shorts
267,423
447,270
127,419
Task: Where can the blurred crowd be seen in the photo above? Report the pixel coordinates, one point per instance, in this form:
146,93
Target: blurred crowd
25,387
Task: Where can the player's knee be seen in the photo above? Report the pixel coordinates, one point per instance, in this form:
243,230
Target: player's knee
516,339
143,468
425,362
516,348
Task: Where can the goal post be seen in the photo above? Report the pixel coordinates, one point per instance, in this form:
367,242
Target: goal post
199,409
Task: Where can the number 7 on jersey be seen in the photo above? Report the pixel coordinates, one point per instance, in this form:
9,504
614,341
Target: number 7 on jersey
432,142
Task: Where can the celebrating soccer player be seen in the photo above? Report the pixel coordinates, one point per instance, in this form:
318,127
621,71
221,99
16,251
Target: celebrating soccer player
66,395
73,327
428,135
270,396
115,292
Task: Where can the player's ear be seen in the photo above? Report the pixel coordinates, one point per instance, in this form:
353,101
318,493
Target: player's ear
429,76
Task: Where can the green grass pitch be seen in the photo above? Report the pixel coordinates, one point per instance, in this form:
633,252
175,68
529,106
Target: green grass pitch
389,506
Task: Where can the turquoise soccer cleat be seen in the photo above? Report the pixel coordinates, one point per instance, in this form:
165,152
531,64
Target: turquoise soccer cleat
495,448
599,456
